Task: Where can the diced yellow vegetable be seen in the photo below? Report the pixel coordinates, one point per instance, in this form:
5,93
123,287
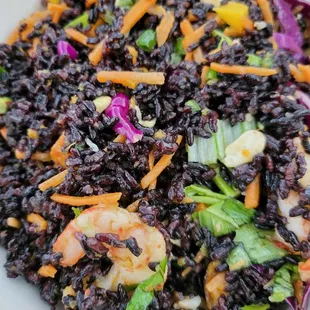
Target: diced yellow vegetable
233,14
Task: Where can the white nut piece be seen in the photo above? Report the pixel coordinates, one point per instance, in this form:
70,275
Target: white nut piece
102,103
188,303
244,149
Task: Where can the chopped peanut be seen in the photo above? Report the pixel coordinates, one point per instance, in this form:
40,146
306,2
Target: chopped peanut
13,222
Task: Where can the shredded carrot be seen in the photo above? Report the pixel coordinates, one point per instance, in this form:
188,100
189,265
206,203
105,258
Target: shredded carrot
299,291
56,11
42,156
160,166
14,222
136,12
35,44
53,181
47,271
194,37
248,24
191,17
197,55
266,11
204,74
32,134
231,32
164,28
77,36
213,15
30,21
242,70
274,43
120,139
87,200
252,194
301,73
4,132
304,270
58,156
92,31
133,52
187,200
38,220
151,166
89,3
157,10
96,54
131,78
133,207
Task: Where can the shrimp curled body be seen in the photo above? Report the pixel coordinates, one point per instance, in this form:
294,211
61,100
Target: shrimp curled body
127,269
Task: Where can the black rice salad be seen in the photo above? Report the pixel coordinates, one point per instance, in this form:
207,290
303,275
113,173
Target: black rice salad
156,154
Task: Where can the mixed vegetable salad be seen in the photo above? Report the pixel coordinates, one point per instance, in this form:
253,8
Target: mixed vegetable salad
156,154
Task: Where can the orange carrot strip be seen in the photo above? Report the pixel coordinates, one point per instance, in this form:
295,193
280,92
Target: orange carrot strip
4,132
151,166
89,3
58,156
298,76
135,14
248,24
203,77
198,55
266,11
92,31
56,11
299,291
160,166
131,78
242,70
96,54
87,200
252,194
157,10
77,36
164,28
305,70
133,207
133,52
191,17
38,220
47,271
13,222
30,21
231,32
120,139
53,181
194,37
41,156
35,44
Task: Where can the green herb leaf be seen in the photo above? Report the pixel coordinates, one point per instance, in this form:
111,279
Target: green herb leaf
224,187
77,211
238,258
175,59
259,249
144,292
124,4
82,19
178,47
4,102
108,17
193,105
237,211
147,40
268,61
211,75
224,38
256,307
254,60
3,73
282,286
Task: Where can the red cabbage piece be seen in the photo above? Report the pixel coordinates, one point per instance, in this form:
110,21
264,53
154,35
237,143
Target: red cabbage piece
291,301
288,21
119,108
306,298
286,42
65,48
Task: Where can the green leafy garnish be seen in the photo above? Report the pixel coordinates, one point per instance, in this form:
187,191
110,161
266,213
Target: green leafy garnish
258,248
77,211
178,47
108,17
124,4
82,19
224,187
193,105
282,286
3,73
268,61
144,292
175,59
256,307
147,40
220,218
4,101
223,37
254,60
211,75
238,258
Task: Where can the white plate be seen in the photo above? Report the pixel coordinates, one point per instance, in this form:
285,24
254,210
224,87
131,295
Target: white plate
16,294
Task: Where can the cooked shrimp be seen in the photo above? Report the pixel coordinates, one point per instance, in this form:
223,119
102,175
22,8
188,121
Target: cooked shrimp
297,224
127,268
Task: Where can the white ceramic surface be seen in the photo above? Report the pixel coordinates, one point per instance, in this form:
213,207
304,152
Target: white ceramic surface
16,294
